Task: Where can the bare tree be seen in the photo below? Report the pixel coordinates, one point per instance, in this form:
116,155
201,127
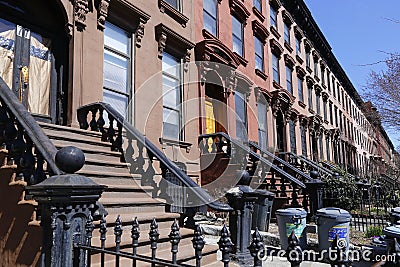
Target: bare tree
383,90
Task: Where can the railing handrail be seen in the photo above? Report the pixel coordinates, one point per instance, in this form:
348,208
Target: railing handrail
335,167
310,162
41,141
160,156
257,156
281,161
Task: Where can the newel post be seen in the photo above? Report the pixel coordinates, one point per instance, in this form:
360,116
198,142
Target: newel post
242,199
315,190
67,203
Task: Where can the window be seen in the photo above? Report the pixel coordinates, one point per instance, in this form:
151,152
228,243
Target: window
172,114
298,46
273,17
117,68
333,87
259,54
303,140
262,125
325,111
275,68
321,147
292,132
323,76
257,4
336,117
318,103
308,59
328,152
328,74
331,112
237,36
316,67
210,16
300,89
310,102
174,3
289,84
286,33
241,116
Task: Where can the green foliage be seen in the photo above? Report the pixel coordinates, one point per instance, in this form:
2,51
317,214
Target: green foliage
373,231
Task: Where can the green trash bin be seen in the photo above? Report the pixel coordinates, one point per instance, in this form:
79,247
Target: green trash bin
292,219
332,222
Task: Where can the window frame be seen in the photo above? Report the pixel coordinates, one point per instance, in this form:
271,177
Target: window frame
292,136
275,72
130,71
265,131
258,5
179,101
210,15
289,79
298,46
286,33
242,96
300,88
256,39
273,17
178,4
241,39
303,136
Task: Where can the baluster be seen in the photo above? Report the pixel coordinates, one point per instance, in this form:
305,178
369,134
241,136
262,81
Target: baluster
225,245
83,120
153,236
147,178
198,244
120,141
294,251
89,227
3,123
257,248
103,231
100,124
272,186
10,133
39,175
283,188
174,238
140,159
28,162
202,146
135,234
129,151
213,148
295,202
93,122
118,234
17,149
111,131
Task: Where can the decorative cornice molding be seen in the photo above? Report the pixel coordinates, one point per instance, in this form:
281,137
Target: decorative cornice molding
102,13
310,81
178,16
289,61
168,37
298,32
317,89
139,34
275,3
259,30
287,18
300,72
276,48
81,9
259,91
237,8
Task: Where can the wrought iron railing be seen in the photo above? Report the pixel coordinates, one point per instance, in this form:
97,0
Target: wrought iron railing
307,165
176,186
289,168
28,147
260,166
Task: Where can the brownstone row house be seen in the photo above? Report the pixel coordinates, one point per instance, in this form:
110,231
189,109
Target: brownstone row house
259,71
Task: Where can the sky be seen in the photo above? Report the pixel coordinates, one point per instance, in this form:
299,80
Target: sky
360,33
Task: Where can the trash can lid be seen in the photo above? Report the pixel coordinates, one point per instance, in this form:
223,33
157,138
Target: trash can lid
340,215
392,231
292,211
395,210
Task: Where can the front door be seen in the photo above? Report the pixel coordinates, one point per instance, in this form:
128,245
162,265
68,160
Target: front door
26,66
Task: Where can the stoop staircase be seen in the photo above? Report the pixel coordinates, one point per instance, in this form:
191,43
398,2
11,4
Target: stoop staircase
125,196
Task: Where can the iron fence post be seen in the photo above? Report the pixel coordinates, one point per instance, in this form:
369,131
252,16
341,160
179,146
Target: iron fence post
315,190
66,204
242,199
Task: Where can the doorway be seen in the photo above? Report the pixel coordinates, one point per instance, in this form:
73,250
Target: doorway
215,102
33,55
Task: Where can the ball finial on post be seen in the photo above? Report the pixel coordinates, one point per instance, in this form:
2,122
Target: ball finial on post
70,159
